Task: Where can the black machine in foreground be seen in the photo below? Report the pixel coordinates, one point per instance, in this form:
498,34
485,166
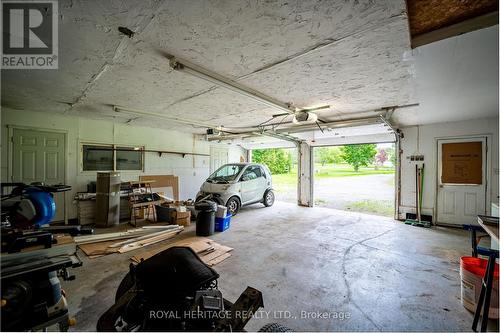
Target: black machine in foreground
176,291
31,260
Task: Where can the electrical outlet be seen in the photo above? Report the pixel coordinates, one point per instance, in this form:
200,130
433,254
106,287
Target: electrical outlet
415,158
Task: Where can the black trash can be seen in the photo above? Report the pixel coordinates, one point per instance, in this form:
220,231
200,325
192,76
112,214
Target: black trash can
205,219
163,214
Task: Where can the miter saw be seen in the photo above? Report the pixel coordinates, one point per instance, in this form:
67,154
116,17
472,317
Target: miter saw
32,261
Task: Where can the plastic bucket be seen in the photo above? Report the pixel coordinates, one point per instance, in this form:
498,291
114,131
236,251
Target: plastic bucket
472,271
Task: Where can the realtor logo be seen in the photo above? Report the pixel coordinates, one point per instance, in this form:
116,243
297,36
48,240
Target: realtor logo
30,38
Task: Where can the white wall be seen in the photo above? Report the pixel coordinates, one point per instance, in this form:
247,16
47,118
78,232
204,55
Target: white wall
192,170
424,141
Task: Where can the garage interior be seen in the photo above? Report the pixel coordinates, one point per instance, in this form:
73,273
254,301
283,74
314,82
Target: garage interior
152,97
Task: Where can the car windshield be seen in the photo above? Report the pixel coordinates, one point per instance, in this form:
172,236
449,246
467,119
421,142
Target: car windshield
225,173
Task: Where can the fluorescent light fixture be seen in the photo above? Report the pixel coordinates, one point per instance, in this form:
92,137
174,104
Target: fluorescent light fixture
212,77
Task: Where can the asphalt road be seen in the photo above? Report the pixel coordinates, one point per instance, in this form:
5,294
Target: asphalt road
338,192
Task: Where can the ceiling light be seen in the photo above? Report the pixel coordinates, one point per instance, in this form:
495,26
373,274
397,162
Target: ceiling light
212,77
305,118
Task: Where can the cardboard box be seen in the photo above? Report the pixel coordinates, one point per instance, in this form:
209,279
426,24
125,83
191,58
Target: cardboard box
181,218
221,211
178,207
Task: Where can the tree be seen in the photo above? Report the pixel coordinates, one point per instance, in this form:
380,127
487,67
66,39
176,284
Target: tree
381,157
358,155
391,152
277,160
326,155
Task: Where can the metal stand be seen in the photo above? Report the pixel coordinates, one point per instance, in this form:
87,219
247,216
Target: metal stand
485,296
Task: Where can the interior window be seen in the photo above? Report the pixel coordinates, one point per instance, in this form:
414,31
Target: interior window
97,158
109,158
128,159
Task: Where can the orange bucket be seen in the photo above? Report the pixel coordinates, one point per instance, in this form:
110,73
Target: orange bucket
472,271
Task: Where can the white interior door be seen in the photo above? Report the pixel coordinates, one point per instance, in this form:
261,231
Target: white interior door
218,157
462,180
39,157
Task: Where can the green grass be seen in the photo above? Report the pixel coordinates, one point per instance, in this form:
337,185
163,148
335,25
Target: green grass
320,202
328,171
343,170
377,207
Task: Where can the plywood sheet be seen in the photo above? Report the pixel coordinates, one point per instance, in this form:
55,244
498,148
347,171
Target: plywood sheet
217,260
462,163
198,244
94,250
163,181
209,251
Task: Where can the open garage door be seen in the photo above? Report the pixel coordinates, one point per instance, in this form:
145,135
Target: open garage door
282,162
307,139
359,178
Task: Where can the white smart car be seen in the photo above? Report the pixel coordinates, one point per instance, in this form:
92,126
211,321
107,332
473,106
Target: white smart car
238,184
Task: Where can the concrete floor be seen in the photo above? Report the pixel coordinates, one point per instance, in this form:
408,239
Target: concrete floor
384,275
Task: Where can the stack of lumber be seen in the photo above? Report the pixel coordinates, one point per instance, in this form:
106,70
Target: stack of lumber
209,251
120,242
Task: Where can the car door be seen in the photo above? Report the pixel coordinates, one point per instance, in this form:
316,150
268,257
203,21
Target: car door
249,184
263,183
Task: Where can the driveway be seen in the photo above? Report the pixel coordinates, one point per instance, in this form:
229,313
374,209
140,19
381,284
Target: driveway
348,193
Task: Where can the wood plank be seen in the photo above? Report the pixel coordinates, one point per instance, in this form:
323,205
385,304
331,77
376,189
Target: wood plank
218,251
148,236
148,241
425,16
198,244
219,259
209,251
163,181
490,225
112,236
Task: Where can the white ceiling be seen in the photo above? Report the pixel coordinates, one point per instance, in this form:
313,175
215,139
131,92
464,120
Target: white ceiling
354,56
348,55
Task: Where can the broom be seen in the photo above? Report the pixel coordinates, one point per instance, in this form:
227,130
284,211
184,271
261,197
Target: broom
419,186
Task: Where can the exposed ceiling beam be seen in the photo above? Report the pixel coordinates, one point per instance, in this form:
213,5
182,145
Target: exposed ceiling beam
472,24
184,121
433,20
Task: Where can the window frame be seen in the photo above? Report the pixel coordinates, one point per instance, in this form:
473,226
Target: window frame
113,147
251,168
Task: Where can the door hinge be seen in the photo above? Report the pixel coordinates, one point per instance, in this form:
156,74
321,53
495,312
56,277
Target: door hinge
12,139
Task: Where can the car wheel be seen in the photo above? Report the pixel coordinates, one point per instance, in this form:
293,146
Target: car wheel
269,198
233,206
